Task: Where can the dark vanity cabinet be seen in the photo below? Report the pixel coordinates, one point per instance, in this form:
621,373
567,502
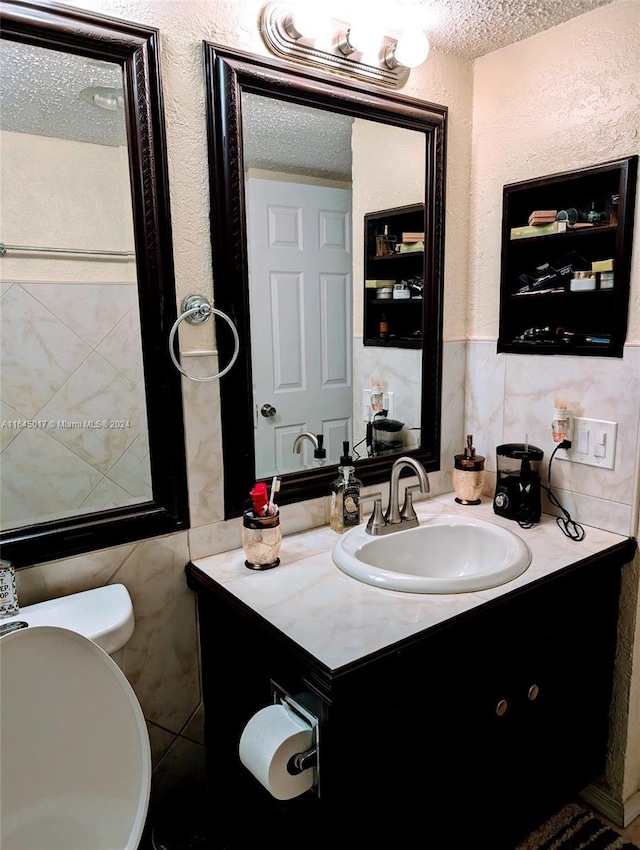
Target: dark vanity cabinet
565,283
393,258
467,733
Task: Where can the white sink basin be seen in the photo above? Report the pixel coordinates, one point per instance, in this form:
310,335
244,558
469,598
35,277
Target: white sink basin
444,554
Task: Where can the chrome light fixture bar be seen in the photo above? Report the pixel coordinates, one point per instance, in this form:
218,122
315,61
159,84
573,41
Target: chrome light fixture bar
286,35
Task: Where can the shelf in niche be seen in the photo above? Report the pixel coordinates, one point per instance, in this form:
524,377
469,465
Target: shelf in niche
395,301
568,234
565,293
404,255
552,348
585,313
394,343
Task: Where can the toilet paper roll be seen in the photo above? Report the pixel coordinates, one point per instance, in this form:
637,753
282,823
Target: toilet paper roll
271,737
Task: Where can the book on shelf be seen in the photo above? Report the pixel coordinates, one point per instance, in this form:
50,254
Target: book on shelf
413,236
538,229
542,216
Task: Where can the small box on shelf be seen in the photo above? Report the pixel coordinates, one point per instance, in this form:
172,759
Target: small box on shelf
542,216
602,265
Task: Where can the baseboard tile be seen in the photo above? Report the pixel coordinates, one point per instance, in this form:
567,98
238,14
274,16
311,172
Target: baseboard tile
620,813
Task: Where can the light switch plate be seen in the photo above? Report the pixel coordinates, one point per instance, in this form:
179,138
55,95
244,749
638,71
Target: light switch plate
597,443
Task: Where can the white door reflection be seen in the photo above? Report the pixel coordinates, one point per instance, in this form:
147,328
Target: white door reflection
299,238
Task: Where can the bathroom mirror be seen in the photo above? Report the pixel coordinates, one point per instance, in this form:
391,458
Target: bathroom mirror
297,159
92,442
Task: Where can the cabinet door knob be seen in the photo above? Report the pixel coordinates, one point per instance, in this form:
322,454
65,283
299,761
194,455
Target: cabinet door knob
501,707
533,692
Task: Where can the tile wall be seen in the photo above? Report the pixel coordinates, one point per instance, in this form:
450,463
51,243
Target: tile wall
82,340
509,396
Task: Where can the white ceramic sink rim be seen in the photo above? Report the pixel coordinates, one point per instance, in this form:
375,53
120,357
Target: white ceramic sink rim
446,553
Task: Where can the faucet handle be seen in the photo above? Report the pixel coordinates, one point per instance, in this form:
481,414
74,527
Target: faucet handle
408,511
376,520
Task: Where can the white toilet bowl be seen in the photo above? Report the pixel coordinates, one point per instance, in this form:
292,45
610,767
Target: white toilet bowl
76,763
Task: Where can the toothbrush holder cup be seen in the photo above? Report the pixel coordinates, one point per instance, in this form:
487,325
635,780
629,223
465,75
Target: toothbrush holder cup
261,539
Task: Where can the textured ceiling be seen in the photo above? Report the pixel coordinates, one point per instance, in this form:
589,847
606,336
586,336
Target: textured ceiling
288,137
40,88
472,28
40,94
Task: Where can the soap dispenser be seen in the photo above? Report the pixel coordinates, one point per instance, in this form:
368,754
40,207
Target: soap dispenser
346,511
320,454
468,475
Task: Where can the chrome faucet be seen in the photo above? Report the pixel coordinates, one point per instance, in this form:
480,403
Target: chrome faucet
396,519
319,452
299,440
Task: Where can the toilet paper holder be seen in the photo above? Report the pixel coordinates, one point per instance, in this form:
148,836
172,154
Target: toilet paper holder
309,758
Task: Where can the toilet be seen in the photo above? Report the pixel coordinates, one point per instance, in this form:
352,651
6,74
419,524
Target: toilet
76,760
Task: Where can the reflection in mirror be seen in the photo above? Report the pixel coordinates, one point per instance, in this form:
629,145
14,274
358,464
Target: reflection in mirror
307,171
93,448
74,430
311,176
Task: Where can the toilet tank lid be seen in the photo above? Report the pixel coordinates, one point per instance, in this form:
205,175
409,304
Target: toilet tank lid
103,614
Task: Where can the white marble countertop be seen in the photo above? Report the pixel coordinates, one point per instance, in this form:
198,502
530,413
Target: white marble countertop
340,620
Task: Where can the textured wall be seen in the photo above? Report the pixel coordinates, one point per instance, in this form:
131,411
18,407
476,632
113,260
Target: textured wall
563,99
44,182
444,79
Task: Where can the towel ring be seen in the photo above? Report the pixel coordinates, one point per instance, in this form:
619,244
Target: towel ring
196,310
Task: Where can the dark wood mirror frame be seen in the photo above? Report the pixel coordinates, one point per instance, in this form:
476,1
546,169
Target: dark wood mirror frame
135,49
228,74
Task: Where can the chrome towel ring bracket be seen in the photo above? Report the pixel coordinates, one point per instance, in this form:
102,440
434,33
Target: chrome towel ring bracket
195,309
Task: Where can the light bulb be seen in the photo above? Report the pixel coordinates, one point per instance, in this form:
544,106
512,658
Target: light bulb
365,36
412,49
306,22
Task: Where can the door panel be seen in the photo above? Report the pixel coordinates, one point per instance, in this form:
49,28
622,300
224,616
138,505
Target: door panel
299,239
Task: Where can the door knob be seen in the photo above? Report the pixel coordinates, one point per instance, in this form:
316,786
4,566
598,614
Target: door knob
268,410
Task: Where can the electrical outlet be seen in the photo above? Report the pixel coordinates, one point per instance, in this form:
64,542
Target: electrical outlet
593,443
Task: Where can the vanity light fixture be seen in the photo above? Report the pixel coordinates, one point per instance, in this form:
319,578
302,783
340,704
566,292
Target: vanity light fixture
358,48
